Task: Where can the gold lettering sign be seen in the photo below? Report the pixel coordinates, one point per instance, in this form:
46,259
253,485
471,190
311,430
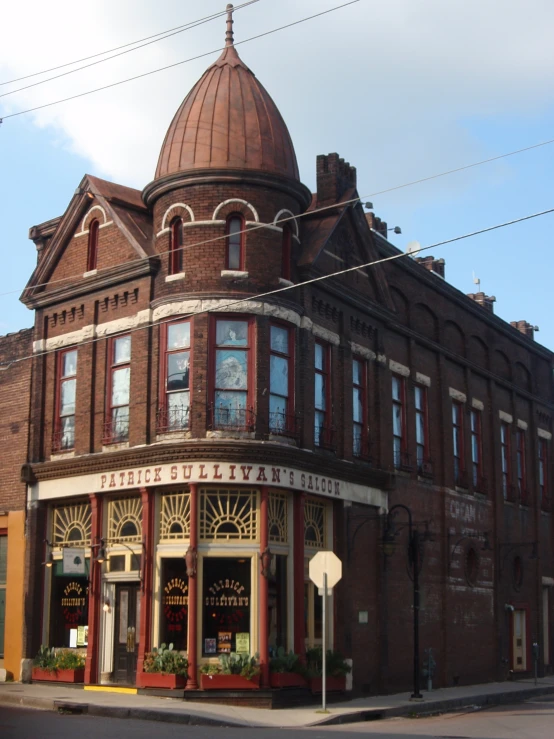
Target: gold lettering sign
175,602
73,602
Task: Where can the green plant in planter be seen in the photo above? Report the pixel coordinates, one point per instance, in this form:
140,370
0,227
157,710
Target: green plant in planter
239,664
286,662
67,659
45,659
336,665
167,660
210,669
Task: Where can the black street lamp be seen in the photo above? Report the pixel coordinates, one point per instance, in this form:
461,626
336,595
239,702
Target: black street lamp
389,545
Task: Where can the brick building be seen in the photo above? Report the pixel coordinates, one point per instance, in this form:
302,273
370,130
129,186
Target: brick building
15,386
204,420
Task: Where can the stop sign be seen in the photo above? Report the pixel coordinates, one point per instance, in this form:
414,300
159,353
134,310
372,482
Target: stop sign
325,562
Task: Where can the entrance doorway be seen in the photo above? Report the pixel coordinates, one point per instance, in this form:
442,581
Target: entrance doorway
127,624
519,641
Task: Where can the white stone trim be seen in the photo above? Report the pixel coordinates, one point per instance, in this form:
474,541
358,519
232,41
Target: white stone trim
399,369
174,278
234,274
457,395
547,582
73,337
84,233
321,333
39,346
90,273
187,224
172,207
291,220
477,404
422,379
506,417
285,283
522,424
237,200
219,305
123,324
382,358
362,351
544,434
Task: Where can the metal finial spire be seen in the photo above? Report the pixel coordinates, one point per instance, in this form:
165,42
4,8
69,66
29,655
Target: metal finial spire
229,32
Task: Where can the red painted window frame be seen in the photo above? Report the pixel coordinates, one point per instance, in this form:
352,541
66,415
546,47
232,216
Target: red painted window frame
521,465
323,440
399,455
362,450
250,364
228,222
424,411
543,468
286,252
163,394
109,436
176,242
476,435
290,420
505,455
92,247
59,380
458,432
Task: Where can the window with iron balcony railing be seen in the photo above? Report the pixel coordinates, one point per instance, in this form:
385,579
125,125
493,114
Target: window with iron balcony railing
116,430
173,418
284,424
231,418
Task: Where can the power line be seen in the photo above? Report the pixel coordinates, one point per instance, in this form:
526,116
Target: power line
187,27
169,32
320,278
176,64
345,203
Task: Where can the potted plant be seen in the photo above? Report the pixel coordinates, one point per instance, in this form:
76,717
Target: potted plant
62,665
234,672
336,670
163,667
286,670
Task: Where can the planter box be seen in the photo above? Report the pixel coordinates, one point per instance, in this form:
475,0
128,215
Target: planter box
332,684
228,682
286,680
160,680
59,676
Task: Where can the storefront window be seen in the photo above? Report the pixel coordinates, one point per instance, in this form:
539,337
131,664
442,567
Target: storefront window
226,601
69,608
175,603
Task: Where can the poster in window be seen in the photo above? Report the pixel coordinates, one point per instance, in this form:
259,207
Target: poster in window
224,642
242,642
210,646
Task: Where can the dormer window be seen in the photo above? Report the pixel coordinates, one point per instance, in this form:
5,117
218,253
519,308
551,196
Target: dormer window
286,252
92,253
235,242
176,246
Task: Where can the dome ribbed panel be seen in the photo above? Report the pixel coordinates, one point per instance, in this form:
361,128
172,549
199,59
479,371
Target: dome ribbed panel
228,120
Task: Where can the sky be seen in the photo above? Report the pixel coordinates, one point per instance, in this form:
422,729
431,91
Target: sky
402,90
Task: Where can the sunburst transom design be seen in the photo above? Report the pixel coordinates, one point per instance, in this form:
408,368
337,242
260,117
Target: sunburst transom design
228,516
278,518
175,516
314,524
125,519
72,525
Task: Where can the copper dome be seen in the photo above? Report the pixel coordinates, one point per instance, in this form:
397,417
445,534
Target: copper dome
228,120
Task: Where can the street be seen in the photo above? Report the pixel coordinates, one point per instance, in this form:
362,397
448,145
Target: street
530,720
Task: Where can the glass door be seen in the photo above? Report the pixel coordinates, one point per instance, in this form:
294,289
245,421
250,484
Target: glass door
127,624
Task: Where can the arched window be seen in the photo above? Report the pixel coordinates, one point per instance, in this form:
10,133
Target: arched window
286,252
176,246
92,253
235,241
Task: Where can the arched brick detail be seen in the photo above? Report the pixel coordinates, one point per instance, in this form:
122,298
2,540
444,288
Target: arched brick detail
96,212
236,205
292,222
177,209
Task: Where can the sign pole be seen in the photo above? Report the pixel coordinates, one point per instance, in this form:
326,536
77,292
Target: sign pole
324,641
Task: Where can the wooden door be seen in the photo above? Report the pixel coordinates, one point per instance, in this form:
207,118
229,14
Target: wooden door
126,637
519,641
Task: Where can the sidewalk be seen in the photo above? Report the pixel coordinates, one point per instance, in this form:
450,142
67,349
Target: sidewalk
120,705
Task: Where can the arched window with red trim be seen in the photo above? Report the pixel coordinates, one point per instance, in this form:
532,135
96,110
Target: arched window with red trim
286,252
234,230
176,246
92,252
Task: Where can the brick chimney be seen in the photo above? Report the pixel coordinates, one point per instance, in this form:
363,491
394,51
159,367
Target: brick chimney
527,329
485,301
334,178
376,224
432,264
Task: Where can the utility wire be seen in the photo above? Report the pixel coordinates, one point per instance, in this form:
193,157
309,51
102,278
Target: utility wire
345,203
169,32
313,280
176,64
192,24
